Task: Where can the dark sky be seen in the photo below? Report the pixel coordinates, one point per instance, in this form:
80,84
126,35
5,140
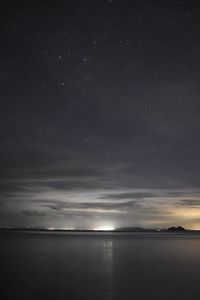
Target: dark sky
99,113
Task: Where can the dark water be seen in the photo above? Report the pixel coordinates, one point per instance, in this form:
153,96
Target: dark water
99,266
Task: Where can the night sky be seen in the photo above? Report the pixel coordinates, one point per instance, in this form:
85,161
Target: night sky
99,113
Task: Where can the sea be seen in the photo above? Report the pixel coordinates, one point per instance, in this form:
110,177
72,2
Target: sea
99,266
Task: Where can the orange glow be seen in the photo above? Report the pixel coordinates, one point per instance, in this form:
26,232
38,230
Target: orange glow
185,213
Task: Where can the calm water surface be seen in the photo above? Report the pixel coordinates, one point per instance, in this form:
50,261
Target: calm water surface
99,266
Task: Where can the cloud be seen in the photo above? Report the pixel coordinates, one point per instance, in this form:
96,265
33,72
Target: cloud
101,207
34,213
128,195
190,202
66,189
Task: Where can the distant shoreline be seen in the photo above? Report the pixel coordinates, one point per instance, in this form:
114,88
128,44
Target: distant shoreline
157,231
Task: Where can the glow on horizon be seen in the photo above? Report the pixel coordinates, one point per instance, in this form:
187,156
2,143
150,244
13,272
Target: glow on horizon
51,228
185,213
104,228
61,228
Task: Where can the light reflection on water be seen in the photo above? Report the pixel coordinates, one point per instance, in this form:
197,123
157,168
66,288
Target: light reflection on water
108,253
108,263
100,266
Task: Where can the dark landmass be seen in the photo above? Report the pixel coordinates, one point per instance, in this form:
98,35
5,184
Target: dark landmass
54,230
175,229
51,230
178,229
135,229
